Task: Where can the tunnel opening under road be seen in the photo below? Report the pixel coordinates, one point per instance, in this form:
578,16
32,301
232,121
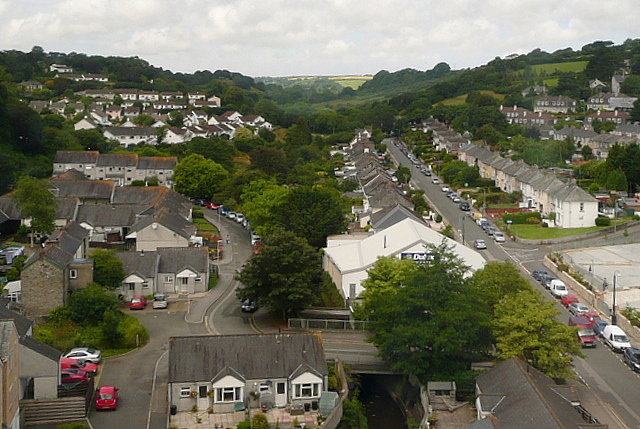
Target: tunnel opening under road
384,398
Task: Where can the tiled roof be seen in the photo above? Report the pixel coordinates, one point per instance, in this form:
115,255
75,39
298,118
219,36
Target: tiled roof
145,264
174,259
76,157
260,356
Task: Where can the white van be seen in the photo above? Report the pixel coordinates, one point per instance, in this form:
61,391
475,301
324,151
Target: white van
616,338
558,288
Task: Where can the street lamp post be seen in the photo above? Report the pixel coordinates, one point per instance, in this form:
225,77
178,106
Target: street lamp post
484,199
614,317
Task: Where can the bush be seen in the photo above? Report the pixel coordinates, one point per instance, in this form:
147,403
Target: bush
244,425
133,333
72,426
522,218
603,221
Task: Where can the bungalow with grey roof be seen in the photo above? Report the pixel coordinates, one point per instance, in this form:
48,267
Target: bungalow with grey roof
223,371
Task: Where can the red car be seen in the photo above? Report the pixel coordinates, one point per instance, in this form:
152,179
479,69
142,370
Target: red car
138,302
107,398
213,206
568,300
591,316
73,376
68,363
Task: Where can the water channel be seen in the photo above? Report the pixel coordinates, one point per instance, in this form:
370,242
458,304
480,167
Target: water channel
381,410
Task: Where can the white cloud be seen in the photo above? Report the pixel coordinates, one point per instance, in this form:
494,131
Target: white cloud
281,37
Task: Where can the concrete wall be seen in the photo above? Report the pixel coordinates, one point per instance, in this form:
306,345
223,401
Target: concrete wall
43,288
43,370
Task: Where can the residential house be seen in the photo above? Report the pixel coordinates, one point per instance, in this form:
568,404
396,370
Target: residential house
60,68
165,229
169,95
10,393
347,260
128,94
183,270
610,102
31,86
515,395
615,116
86,123
222,371
160,167
141,273
554,104
59,267
127,136
193,96
597,85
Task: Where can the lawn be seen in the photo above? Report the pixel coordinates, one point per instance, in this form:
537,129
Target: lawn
552,68
462,98
536,232
204,227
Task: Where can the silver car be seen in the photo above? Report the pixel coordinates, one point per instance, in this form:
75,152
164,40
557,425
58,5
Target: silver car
160,301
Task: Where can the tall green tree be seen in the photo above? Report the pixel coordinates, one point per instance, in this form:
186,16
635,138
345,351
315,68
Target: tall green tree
196,176
285,275
37,203
313,213
108,270
426,319
526,326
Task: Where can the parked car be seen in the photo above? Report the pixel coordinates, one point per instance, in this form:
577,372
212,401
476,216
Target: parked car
538,274
499,237
616,338
558,288
592,316
68,363
490,230
223,211
84,353
213,206
598,327
73,376
569,299
160,301
546,281
578,309
107,398
240,218
479,244
632,358
231,215
138,302
445,188
586,334
465,206
435,180
456,199
249,306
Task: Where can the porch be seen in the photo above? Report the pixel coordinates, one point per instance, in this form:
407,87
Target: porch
281,416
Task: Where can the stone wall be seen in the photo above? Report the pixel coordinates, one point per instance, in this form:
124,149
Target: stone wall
43,288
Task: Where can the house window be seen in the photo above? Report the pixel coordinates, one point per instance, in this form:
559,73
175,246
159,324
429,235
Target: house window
198,279
73,274
185,391
167,279
228,394
145,285
131,286
581,207
307,390
184,280
280,388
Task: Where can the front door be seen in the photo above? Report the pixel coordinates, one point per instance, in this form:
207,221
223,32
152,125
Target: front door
184,284
281,394
203,398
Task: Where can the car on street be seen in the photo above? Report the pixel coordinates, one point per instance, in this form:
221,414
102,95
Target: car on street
538,274
231,215
499,237
445,188
138,302
569,299
160,301
587,337
546,280
615,338
632,358
213,206
479,244
465,206
107,398
249,306
577,308
598,327
456,199
592,316
86,354
435,180
558,288
240,218
73,376
68,363
223,211
490,230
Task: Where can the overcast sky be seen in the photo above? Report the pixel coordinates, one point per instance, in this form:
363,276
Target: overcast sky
312,37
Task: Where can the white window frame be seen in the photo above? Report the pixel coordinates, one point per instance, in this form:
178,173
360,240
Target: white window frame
73,273
306,390
228,394
185,391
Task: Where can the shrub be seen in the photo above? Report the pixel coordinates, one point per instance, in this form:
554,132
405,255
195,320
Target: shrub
260,421
522,218
439,218
603,221
72,426
244,425
533,220
133,333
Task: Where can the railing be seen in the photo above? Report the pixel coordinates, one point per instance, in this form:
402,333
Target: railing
328,325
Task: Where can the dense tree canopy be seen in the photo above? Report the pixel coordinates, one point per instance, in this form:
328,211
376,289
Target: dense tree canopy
285,275
108,270
196,176
37,203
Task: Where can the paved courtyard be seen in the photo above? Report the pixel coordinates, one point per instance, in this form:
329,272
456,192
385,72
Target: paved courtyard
279,416
599,263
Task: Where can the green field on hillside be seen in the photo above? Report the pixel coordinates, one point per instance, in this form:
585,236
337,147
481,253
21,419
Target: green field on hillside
462,98
551,68
351,81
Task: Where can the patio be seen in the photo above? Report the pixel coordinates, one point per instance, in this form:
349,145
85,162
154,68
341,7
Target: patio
281,416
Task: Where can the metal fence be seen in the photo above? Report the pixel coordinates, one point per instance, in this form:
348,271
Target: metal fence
328,325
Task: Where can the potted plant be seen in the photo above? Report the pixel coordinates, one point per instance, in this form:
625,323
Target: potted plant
194,393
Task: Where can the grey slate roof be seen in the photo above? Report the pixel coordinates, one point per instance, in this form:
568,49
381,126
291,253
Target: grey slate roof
118,160
101,215
23,325
260,356
174,259
83,189
390,216
170,220
144,264
157,162
75,157
5,335
523,397
41,348
61,246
